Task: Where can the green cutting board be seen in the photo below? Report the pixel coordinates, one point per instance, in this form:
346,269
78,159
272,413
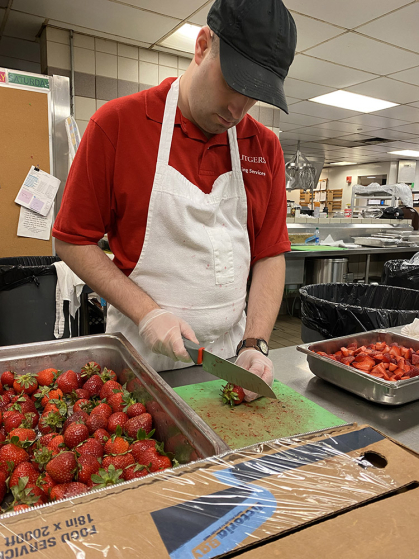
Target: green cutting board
315,248
258,421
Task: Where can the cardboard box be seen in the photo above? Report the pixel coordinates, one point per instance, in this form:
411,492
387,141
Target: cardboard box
319,495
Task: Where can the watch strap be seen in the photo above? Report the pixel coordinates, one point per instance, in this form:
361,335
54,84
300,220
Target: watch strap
255,343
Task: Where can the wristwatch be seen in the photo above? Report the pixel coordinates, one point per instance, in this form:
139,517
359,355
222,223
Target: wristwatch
256,343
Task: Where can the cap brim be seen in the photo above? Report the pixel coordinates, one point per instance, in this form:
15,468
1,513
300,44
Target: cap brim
250,79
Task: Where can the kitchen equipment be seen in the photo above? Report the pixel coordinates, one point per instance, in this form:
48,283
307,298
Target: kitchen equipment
330,270
182,431
227,371
261,420
351,379
375,242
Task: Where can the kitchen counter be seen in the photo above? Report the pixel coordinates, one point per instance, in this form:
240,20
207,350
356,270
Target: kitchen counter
291,368
349,251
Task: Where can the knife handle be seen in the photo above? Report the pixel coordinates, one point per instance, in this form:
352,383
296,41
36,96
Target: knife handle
194,350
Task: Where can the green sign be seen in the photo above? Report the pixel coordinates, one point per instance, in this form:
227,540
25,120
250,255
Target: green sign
31,81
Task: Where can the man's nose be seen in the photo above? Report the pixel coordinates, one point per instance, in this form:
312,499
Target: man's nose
239,105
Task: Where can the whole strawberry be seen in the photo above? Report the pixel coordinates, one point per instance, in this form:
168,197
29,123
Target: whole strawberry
118,418
135,409
108,476
56,445
91,368
3,486
143,421
50,394
139,449
75,434
116,401
25,383
63,467
135,471
116,445
24,469
108,374
81,394
108,389
7,378
93,385
88,465
95,422
101,435
11,453
45,482
102,409
46,377
31,420
155,461
23,434
49,422
82,404
66,490
23,404
92,447
12,420
78,416
232,394
120,461
67,382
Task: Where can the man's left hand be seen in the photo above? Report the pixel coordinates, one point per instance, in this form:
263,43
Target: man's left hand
257,363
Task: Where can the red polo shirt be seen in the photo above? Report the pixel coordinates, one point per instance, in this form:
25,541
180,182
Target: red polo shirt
110,181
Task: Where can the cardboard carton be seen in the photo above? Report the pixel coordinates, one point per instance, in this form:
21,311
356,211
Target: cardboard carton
346,486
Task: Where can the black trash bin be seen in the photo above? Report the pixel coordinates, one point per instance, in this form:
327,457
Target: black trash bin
330,310
399,273
27,300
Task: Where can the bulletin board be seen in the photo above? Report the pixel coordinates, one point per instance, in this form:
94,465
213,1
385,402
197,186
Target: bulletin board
24,141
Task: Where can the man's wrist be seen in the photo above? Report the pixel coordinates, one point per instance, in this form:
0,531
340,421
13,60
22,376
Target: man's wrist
253,343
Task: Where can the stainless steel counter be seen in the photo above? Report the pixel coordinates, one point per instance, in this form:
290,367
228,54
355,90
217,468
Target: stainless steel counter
398,422
349,251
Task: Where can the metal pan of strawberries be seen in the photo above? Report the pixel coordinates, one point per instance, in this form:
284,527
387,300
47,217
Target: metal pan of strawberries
88,413
379,366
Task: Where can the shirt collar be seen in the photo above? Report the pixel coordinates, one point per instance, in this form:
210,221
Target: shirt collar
155,99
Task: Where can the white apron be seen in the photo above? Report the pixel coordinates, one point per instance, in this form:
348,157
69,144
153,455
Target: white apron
196,254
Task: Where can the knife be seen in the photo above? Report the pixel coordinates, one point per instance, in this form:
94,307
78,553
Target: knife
226,370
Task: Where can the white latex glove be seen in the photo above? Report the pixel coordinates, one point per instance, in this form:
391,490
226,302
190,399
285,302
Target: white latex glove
162,332
257,363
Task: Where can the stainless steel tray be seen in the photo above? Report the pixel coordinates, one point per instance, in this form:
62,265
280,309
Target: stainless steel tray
177,425
374,242
364,385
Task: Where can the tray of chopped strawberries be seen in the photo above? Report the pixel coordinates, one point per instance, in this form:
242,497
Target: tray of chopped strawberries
379,365
84,414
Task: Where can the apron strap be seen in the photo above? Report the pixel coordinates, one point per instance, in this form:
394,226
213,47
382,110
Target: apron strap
234,151
168,124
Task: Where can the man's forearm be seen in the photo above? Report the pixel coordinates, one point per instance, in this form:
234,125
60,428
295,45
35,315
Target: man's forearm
265,296
92,265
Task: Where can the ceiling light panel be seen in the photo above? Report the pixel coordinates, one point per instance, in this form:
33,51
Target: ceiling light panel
183,39
406,153
353,101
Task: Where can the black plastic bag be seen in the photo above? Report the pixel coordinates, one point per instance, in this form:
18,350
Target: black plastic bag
400,273
25,269
340,309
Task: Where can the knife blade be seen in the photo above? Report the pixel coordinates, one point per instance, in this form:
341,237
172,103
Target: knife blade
227,371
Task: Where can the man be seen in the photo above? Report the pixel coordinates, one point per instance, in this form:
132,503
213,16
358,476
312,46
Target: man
191,193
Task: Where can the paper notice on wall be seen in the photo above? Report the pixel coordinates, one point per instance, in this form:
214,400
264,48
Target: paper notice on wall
38,191
33,225
73,136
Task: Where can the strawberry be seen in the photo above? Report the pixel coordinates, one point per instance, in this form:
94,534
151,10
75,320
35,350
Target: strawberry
88,465
82,404
51,421
116,401
3,436
108,374
135,409
46,377
25,383
79,416
66,490
41,457
54,394
23,404
143,421
23,469
118,418
46,439
67,382
232,394
3,486
120,461
101,435
18,508
92,447
7,378
93,385
102,409
156,461
116,445
5,400
45,482
63,467
107,477
135,471
108,389
31,420
12,420
11,453
95,422
26,494
75,434
139,448
91,368
56,445
23,434
81,393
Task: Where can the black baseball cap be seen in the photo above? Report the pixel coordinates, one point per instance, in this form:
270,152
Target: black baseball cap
257,46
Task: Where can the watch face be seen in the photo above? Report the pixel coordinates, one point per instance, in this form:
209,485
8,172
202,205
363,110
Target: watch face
263,346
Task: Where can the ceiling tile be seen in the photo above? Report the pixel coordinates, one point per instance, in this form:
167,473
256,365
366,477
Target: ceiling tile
180,9
311,32
347,14
405,19
357,51
304,90
320,132
402,112
296,135
322,111
408,76
298,119
375,121
391,134
324,73
117,19
24,50
387,89
414,105
200,18
345,127
287,126
23,26
410,128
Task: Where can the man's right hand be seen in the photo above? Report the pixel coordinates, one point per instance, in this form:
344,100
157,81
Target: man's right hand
162,332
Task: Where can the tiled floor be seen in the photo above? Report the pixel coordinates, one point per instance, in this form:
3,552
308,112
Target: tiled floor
286,332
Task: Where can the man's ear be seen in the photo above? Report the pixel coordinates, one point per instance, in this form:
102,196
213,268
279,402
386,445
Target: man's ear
202,44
